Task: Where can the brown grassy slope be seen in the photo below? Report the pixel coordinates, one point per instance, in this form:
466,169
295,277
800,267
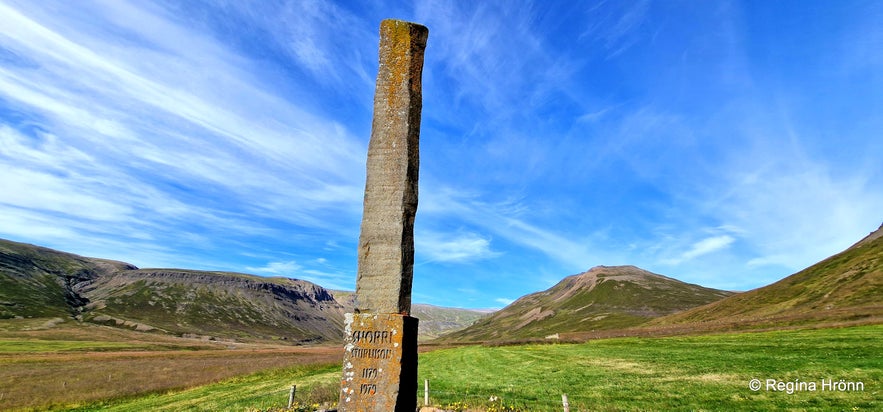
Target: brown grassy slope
66,363
845,287
602,298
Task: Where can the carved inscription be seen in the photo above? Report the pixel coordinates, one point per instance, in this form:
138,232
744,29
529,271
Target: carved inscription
372,353
372,370
365,346
371,336
367,389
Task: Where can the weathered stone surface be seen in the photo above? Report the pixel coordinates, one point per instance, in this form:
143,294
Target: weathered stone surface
380,358
386,242
380,363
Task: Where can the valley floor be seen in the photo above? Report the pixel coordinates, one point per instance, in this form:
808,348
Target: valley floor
704,372
805,369
68,367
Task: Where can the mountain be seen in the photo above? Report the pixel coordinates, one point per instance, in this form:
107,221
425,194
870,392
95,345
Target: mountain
37,282
601,298
846,287
435,321
219,304
41,282
877,234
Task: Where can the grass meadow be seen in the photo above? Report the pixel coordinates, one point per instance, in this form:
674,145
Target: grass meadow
709,372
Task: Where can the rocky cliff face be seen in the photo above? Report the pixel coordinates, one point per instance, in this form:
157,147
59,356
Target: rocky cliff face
40,282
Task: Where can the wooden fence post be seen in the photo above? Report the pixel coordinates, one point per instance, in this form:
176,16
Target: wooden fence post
565,403
291,396
426,392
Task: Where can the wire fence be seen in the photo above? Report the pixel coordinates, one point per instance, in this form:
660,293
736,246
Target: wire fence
324,397
509,401
310,398
491,403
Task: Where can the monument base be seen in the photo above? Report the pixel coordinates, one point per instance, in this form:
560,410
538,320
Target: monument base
379,363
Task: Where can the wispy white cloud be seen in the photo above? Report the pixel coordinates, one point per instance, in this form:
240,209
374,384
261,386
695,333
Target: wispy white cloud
487,56
173,133
616,27
702,247
135,117
337,280
457,247
320,39
287,268
320,272
505,220
796,213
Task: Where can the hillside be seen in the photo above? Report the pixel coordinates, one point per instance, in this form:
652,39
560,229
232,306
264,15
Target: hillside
218,304
435,321
601,298
37,282
845,287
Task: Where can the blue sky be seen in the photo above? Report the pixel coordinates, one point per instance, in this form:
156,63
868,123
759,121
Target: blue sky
722,143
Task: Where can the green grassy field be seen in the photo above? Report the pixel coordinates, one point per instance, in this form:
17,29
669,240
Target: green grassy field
35,345
675,373
261,391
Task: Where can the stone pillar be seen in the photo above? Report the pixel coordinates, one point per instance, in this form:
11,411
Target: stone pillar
380,358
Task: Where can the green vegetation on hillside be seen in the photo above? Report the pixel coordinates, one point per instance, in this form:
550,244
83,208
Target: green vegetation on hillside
216,304
845,287
37,282
603,298
437,321
41,297
196,309
41,283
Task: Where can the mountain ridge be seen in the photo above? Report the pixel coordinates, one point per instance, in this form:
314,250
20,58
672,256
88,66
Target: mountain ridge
45,283
847,285
869,238
40,282
604,297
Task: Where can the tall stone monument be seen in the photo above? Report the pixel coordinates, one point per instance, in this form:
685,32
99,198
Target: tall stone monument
380,358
